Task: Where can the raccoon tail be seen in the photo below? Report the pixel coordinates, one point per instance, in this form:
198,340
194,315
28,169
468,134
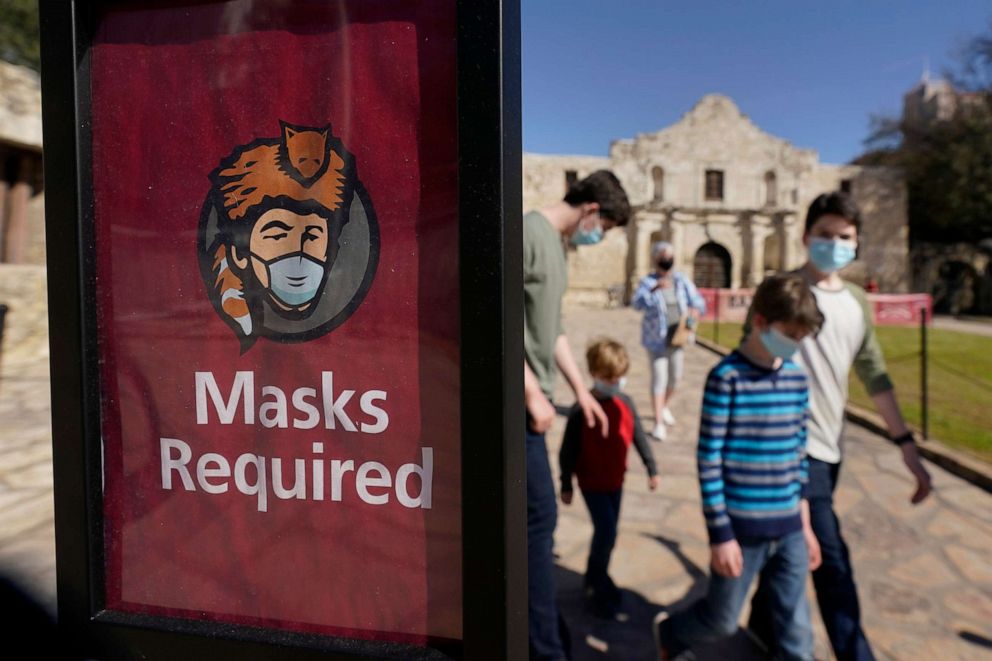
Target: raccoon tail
231,289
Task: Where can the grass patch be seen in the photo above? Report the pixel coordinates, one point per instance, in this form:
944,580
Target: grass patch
959,380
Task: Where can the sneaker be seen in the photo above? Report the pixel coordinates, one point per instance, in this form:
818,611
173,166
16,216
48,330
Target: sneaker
667,417
659,432
664,648
659,641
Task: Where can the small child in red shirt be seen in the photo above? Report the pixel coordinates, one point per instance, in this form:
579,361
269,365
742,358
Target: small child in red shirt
600,464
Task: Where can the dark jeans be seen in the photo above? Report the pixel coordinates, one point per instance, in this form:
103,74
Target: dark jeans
542,515
785,565
604,509
834,580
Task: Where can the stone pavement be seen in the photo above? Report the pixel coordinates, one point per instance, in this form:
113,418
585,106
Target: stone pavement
924,573
27,534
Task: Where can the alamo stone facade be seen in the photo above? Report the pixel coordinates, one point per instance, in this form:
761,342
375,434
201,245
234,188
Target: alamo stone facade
730,198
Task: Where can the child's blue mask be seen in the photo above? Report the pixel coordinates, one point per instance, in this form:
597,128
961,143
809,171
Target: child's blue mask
829,255
609,389
779,344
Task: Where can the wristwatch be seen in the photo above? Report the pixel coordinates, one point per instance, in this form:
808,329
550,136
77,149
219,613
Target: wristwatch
903,439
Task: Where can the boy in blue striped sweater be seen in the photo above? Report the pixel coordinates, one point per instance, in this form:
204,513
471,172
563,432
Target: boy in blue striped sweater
752,472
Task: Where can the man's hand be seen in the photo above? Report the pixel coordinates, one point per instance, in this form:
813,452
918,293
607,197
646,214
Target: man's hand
653,482
566,497
812,549
592,411
726,559
911,457
541,410
812,543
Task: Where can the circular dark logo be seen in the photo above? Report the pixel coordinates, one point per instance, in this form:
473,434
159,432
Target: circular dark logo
288,240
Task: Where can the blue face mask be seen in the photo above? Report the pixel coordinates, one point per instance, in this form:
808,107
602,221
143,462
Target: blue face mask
829,255
587,237
779,344
294,279
609,389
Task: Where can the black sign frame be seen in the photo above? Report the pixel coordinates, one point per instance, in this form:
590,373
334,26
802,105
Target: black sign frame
490,255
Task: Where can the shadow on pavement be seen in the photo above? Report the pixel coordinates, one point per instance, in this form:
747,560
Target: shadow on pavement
596,639
975,639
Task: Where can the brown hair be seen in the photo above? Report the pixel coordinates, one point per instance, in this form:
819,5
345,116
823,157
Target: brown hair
787,297
607,359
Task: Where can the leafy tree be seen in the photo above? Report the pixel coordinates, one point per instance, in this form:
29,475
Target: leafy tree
948,163
19,33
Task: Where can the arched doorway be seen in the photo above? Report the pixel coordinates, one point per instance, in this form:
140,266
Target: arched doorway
711,266
773,253
956,290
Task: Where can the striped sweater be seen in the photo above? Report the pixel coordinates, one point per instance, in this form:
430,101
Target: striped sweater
752,449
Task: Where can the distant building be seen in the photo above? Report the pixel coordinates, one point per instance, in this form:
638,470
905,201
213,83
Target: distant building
22,231
957,275
932,101
730,197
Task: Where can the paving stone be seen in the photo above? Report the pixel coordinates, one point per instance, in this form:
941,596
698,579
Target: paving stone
924,571
973,604
900,603
976,566
37,475
966,531
29,514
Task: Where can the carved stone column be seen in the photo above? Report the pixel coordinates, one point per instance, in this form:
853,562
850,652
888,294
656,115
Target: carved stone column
16,225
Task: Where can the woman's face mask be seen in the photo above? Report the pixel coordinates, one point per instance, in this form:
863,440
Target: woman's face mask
665,263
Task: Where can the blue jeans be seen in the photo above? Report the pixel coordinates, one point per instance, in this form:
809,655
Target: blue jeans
542,516
834,579
784,564
604,509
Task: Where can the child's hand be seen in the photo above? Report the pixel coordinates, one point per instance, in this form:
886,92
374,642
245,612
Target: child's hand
813,549
566,498
727,559
653,482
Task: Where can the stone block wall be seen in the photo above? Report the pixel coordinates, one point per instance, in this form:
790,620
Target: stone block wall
23,289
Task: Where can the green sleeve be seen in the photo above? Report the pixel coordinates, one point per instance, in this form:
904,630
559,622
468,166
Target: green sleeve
869,363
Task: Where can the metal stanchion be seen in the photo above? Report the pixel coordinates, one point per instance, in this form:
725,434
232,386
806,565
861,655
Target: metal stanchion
3,324
716,319
923,374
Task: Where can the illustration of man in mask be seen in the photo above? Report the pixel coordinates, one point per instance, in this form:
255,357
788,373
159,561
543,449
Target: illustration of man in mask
281,206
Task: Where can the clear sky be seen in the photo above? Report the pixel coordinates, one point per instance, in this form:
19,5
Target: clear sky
809,71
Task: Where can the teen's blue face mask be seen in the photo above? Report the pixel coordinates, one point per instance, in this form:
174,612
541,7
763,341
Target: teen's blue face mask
587,237
829,255
779,344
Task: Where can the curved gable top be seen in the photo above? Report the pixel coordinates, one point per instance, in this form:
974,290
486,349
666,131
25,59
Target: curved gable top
716,130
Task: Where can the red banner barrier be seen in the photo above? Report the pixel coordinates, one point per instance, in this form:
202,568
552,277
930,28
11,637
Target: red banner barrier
887,309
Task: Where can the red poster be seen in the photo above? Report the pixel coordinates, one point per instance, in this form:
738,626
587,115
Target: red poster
276,240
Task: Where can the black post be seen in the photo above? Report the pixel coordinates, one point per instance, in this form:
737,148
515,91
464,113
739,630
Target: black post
923,373
716,319
3,325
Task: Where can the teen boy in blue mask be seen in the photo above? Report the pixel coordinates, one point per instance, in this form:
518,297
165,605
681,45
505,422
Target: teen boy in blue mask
846,340
590,208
